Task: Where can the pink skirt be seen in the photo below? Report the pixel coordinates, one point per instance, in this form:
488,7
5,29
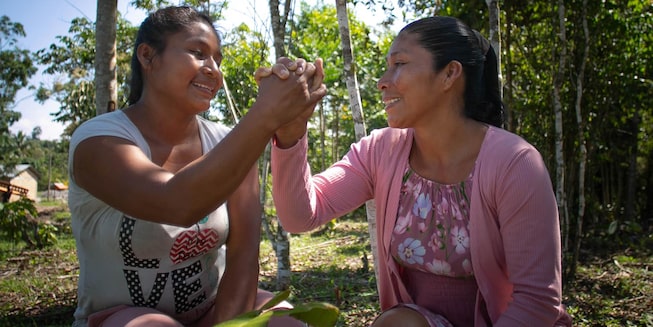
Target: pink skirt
442,300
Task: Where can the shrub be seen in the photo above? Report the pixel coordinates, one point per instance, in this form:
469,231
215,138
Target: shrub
18,223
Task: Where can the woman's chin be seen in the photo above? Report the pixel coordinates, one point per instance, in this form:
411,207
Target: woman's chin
394,123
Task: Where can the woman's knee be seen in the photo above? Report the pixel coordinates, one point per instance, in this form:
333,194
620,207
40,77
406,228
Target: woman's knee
138,316
400,317
263,296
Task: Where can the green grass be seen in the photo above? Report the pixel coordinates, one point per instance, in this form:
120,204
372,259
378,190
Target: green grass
334,266
613,292
38,288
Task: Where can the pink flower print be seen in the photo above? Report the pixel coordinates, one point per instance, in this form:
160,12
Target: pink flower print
460,239
404,188
411,251
439,267
402,224
422,227
416,188
467,266
422,205
434,243
462,204
443,207
455,212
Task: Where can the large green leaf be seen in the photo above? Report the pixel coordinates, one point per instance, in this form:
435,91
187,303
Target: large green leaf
316,314
249,319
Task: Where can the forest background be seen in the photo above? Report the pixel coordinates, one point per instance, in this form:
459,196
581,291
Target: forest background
576,78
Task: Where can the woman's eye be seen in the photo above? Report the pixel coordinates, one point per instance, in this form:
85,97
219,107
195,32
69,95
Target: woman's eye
198,53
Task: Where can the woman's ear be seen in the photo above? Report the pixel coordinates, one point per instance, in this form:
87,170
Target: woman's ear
453,72
145,54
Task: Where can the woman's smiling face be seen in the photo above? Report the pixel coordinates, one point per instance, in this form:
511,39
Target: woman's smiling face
188,69
409,87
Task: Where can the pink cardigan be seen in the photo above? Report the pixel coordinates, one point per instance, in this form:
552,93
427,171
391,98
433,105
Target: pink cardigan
514,228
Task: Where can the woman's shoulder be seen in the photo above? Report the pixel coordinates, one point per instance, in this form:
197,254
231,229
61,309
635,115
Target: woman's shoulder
211,130
114,123
502,140
388,136
114,117
502,148
212,125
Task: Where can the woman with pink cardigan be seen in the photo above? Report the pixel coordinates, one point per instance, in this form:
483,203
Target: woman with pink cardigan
467,220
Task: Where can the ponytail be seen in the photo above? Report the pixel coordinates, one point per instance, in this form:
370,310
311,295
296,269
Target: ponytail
490,109
491,98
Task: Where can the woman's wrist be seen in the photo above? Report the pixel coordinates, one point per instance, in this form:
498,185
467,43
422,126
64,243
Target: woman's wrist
286,141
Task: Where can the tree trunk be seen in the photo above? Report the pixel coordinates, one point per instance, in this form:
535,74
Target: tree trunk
582,160
335,131
510,123
106,91
647,212
322,137
280,242
278,23
558,111
631,179
495,36
356,111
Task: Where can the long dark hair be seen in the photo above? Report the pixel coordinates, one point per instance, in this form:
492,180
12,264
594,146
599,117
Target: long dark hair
447,39
154,30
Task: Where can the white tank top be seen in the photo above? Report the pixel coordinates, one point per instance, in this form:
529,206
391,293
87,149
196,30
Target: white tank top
127,261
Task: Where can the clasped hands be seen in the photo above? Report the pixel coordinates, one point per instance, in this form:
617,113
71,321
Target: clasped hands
313,73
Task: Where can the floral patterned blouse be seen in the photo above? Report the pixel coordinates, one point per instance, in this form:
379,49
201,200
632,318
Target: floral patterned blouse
432,229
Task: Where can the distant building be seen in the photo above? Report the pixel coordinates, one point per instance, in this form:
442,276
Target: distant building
57,191
21,182
59,186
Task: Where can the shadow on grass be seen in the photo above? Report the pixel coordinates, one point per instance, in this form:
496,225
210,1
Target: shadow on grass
53,316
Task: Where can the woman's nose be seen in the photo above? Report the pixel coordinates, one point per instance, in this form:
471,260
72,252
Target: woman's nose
211,67
382,83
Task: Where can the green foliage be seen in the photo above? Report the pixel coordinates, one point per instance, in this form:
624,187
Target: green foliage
18,223
315,33
16,69
213,8
72,58
244,51
49,159
314,314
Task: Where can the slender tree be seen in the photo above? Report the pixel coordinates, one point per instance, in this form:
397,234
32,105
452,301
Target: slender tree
356,110
582,160
558,81
106,91
280,240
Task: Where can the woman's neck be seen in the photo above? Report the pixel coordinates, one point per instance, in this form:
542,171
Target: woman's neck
161,125
447,155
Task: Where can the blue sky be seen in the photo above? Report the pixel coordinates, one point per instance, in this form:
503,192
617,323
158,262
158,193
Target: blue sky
43,20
